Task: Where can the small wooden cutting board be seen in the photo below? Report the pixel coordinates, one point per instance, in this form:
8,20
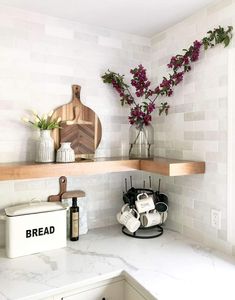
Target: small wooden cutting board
80,126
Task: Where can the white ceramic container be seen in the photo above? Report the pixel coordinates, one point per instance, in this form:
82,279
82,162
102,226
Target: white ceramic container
35,227
65,153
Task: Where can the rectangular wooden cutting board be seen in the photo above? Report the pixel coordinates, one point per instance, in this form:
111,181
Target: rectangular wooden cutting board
80,126
81,137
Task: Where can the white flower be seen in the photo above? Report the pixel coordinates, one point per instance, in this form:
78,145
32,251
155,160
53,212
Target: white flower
50,113
44,117
34,112
24,119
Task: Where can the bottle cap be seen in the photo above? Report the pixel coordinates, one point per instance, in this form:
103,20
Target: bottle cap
74,199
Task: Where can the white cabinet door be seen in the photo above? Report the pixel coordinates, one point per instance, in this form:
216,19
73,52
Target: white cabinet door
113,291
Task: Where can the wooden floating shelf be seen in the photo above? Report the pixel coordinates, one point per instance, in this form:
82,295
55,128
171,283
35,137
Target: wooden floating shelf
172,167
163,166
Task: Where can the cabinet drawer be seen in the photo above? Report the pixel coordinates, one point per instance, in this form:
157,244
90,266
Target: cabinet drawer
113,291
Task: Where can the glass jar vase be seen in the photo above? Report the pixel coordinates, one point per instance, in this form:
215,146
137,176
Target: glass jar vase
141,141
45,149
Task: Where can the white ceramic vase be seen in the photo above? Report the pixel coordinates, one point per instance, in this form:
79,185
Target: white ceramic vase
45,149
65,153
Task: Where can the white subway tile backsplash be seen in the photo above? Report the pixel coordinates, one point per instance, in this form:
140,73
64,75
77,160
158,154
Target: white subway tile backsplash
194,155
177,154
216,7
193,233
22,185
194,135
58,31
209,125
173,225
189,88
205,89
205,146
223,235
216,157
194,116
41,57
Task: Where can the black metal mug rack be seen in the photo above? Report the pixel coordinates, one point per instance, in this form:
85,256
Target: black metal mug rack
156,231
161,205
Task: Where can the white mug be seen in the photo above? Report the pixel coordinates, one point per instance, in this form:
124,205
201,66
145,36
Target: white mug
163,216
124,208
127,218
149,219
144,204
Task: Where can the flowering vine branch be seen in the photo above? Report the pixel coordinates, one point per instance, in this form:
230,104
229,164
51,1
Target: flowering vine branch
180,64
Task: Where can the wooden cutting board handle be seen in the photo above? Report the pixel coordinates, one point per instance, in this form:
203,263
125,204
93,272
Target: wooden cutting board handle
76,89
63,188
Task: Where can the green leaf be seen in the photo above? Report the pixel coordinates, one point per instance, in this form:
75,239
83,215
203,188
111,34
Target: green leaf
226,41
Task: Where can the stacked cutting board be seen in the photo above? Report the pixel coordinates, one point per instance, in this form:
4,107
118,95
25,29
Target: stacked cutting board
79,125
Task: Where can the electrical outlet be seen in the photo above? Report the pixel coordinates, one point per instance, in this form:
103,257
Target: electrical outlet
216,218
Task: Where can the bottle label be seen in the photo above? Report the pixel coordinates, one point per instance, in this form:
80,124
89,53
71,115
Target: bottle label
75,225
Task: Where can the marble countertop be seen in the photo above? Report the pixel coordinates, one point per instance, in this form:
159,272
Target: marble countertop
170,267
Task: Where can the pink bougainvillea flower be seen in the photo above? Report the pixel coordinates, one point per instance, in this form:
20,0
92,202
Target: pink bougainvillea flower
140,114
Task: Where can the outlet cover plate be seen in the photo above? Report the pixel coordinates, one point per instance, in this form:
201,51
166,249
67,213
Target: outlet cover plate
216,218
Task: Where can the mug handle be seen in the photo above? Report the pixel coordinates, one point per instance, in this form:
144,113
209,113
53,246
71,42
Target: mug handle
137,213
124,207
142,194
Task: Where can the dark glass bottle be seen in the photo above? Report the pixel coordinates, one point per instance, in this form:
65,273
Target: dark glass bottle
74,220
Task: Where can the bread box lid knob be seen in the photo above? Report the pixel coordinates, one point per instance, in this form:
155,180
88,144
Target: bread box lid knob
33,208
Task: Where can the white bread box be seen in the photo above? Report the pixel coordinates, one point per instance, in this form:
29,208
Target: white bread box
35,227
